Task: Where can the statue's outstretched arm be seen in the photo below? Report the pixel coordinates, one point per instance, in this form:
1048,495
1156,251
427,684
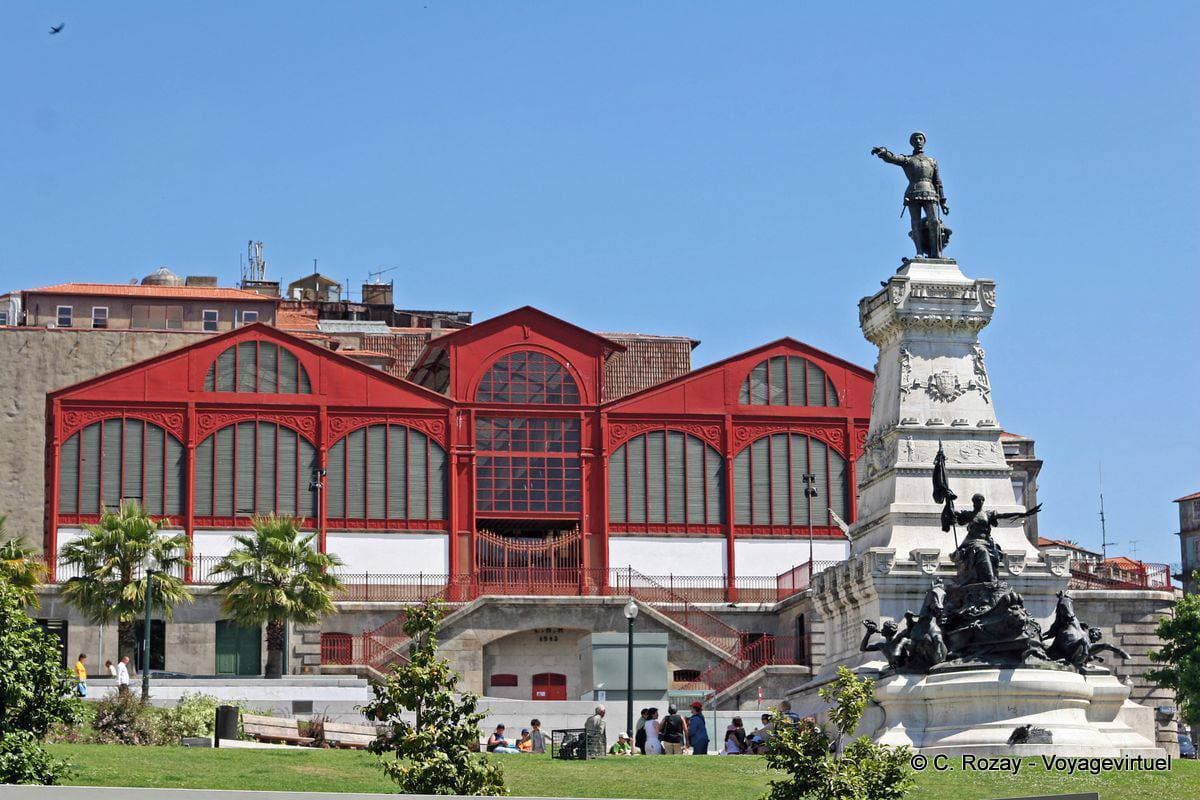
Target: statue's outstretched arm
1017,514
888,155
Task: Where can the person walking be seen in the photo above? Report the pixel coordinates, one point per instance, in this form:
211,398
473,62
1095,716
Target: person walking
653,743
536,736
673,732
110,669
697,730
81,675
123,675
594,731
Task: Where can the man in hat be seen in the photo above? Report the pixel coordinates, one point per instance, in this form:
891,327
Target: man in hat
622,747
698,730
924,196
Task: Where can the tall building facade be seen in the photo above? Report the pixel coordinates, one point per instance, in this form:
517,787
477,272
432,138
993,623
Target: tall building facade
1189,540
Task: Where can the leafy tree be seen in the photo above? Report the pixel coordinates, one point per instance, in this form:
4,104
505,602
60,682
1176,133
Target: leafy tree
277,575
434,753
21,567
819,768
1180,656
113,559
34,694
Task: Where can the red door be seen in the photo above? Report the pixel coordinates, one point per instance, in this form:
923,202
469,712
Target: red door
549,686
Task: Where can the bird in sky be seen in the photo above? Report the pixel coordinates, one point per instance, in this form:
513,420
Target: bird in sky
58,28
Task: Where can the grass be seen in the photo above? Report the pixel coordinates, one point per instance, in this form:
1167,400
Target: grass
661,778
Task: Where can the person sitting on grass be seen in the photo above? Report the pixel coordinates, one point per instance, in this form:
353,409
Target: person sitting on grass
525,743
496,743
735,738
761,735
622,746
536,736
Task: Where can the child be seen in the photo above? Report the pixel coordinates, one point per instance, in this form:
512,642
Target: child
537,737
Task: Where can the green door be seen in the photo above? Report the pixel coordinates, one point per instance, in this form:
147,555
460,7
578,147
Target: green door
239,650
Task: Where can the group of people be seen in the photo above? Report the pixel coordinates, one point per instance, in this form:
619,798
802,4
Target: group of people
120,671
531,740
671,735
737,742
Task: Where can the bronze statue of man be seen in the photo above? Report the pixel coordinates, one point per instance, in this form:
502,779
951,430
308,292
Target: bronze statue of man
924,196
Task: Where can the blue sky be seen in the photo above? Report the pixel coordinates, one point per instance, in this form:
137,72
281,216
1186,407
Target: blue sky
684,168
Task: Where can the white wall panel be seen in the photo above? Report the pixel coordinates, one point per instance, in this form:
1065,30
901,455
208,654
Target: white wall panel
406,553
776,556
663,555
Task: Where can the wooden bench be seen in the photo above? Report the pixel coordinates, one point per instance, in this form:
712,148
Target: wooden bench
282,730
345,735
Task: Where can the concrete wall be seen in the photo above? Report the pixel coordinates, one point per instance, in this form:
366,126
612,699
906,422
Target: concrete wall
37,361
777,555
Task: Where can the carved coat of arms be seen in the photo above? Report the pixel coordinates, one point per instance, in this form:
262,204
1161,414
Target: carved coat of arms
945,386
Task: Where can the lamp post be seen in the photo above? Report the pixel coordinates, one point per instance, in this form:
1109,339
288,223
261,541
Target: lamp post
631,612
810,491
146,636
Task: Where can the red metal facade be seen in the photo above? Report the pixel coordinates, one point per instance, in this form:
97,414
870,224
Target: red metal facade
170,391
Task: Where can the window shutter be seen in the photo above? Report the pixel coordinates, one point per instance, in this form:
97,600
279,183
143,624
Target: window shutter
309,462
696,480
268,364
437,481
377,463
760,476
89,470
676,465
335,480
797,468
356,465
417,476
778,453
288,368
131,467
777,393
152,497
656,483
819,452
225,374
223,471
397,470
110,460
68,476
636,449
795,377
837,486
287,471
210,377
616,486
758,384
175,475
830,393
247,359
202,493
816,385
303,386
244,477
714,477
741,487
744,394
265,466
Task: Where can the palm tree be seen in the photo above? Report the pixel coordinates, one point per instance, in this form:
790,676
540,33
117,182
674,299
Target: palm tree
113,559
21,567
276,575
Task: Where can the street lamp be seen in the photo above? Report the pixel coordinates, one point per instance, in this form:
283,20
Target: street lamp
810,491
631,612
150,573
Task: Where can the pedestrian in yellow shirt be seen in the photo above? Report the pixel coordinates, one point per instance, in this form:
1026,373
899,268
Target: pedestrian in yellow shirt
81,675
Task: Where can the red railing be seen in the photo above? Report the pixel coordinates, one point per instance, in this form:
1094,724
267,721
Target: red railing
1145,576
764,651
798,578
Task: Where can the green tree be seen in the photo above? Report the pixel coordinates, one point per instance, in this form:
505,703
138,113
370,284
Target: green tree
34,694
277,575
434,754
819,768
112,560
21,567
1180,656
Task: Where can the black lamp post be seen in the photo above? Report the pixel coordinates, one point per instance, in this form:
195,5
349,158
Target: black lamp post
146,636
631,612
810,491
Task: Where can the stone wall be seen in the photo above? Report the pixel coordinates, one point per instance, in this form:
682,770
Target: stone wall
38,361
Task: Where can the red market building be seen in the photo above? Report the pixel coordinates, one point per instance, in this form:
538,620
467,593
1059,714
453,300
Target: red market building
506,463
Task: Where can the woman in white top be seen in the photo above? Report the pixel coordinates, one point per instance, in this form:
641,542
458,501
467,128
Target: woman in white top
653,744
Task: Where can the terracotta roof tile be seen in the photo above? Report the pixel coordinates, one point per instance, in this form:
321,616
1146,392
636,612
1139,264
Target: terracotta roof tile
402,347
293,319
1185,498
646,361
169,292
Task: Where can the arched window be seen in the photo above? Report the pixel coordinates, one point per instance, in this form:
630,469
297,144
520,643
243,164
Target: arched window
666,477
121,459
528,377
386,472
768,482
254,468
257,366
787,381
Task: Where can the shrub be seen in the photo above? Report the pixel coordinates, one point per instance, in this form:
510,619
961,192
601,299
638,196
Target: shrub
194,715
123,719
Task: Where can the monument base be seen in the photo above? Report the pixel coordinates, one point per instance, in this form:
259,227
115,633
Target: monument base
960,711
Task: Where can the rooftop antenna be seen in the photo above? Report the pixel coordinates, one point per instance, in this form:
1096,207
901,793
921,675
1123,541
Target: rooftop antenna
1104,542
314,265
255,268
1133,543
374,277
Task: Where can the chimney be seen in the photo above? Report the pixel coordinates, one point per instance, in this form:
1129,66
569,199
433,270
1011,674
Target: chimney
200,280
265,288
377,294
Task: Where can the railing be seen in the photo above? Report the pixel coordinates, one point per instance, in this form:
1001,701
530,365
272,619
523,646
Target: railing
1156,577
798,578
767,650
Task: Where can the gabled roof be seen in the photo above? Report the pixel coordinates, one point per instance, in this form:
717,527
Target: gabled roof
481,329
317,277
862,372
1044,542
261,330
158,292
1192,496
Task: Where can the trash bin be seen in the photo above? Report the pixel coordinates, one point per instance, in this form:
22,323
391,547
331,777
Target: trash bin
227,724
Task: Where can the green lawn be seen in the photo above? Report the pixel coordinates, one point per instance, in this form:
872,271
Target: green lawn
665,778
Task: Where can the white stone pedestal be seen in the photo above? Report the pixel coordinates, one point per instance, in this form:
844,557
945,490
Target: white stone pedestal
959,712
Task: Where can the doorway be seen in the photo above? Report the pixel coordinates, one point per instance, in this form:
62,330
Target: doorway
549,686
239,650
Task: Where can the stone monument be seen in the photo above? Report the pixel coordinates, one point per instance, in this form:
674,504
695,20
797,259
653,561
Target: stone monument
974,670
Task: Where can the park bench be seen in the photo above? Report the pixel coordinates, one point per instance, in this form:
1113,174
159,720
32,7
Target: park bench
346,735
282,730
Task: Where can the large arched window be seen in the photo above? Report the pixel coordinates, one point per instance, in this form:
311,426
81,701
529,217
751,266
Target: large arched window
254,468
386,472
666,477
787,381
528,377
768,482
120,459
257,366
